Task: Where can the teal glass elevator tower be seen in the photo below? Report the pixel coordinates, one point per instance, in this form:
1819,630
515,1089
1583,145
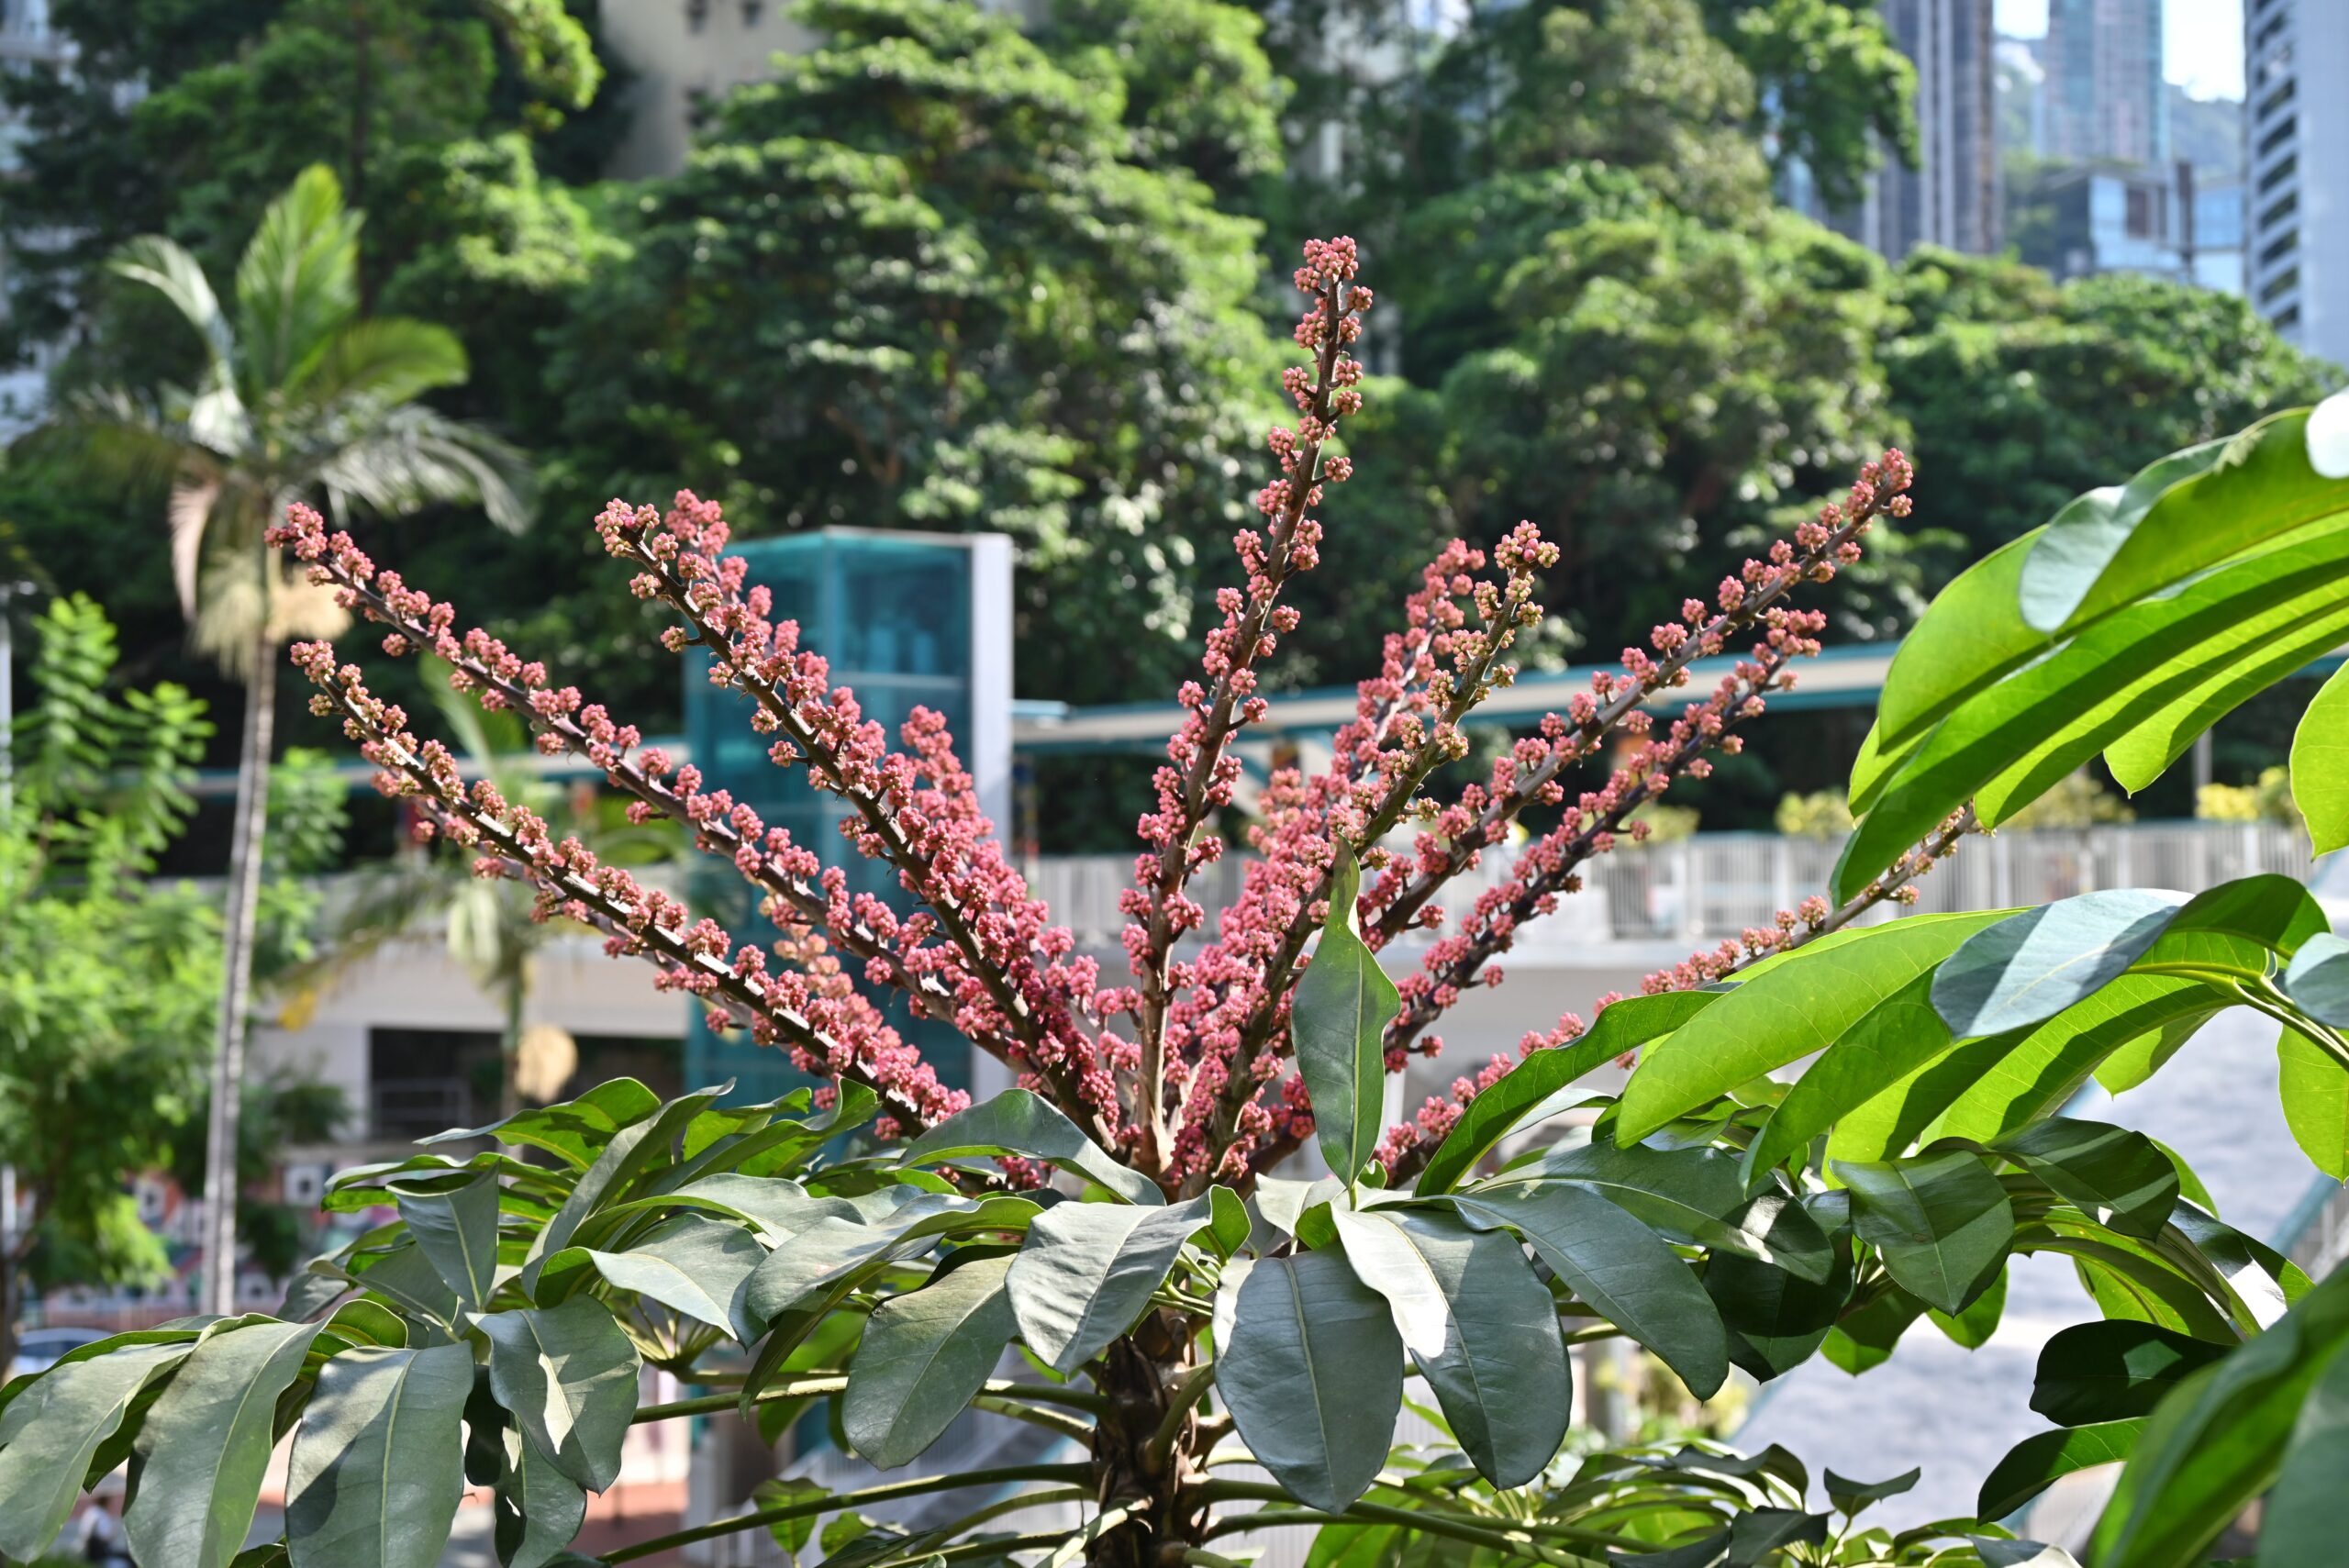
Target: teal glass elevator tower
907,620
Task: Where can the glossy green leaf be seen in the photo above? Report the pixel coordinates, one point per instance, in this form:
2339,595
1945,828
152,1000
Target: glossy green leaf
207,1443
1312,1370
925,1354
1877,764
1776,1320
2261,488
377,1467
1851,1496
2218,1438
456,1224
2043,1459
1863,1338
2317,980
776,1207
536,1510
2113,1370
2007,745
824,1260
404,1276
1339,1014
2257,915
1480,1328
2264,1279
2157,739
2300,1525
1622,1026
1893,1041
2320,765
1973,1327
1086,1272
690,1264
1691,1195
2030,967
568,1373
1019,1123
1941,1222
1619,1267
1970,635
2081,541
2314,1088
52,1430
1782,1015
2115,1175
577,1130
632,1150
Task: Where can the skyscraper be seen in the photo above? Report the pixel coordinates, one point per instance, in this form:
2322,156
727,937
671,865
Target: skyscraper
1951,198
2296,123
2105,96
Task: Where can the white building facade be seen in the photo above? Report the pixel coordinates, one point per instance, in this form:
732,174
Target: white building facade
2296,129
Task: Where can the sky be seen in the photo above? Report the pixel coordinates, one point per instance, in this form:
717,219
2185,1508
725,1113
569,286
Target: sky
2201,40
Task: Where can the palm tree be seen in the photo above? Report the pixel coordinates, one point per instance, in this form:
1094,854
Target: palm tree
491,932
300,398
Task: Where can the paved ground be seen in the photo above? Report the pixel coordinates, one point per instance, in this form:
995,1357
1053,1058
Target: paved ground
1956,1413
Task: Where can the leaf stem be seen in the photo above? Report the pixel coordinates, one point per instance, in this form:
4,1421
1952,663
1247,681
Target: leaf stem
820,1387
806,1508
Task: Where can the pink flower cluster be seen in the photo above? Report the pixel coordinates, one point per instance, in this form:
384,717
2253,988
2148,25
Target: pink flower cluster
1185,1070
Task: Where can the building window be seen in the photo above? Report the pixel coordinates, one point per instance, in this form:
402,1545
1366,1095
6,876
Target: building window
754,12
2286,318
2278,137
2283,209
2278,98
2268,34
2279,174
697,15
2284,245
2147,213
2283,284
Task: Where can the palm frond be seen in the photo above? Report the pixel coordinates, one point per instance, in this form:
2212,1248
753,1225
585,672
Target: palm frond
297,283
413,456
386,360
166,267
235,602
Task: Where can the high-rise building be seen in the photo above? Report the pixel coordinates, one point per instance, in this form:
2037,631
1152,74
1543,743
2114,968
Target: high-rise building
2106,100
2296,125
1952,197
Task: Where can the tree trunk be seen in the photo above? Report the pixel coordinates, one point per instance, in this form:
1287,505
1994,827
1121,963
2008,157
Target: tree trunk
509,1051
237,963
1141,1374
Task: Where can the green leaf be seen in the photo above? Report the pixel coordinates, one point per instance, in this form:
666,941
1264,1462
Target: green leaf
826,1261
569,1375
2080,541
2235,925
1877,764
1312,1370
1864,1338
2157,740
1481,1329
1619,1267
456,1224
1851,1496
1018,1122
2113,1370
1782,1015
1087,1270
1774,1319
778,1209
2004,746
207,1444
2320,766
2217,1439
2314,1088
537,1509
1339,1011
1623,1026
2261,487
1692,1195
632,1150
1941,1222
1893,1041
577,1130
2043,1459
690,1264
2317,980
1973,1327
2300,1525
2111,1173
52,1430
378,1462
2030,967
404,1277
1970,635
925,1354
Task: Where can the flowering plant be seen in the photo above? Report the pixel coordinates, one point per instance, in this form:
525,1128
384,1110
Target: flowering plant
1203,1309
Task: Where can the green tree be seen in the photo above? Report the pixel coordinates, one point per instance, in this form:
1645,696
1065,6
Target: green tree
111,979
300,397
930,276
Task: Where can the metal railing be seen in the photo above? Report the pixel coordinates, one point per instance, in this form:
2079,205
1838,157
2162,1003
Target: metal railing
1713,886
